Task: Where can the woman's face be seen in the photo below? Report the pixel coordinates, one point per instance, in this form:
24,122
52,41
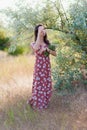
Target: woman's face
41,31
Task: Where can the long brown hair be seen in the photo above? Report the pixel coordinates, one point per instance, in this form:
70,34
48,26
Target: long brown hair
36,34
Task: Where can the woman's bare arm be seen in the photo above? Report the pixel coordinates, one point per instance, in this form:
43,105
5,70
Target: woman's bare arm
36,46
37,43
52,52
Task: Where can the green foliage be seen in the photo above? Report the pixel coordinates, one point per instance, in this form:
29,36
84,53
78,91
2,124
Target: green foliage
4,40
51,47
10,117
78,14
15,49
66,69
46,53
49,15
4,43
25,17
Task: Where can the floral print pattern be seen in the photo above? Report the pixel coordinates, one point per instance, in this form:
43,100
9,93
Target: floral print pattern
42,82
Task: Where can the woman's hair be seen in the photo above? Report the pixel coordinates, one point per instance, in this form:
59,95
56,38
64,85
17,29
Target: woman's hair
36,34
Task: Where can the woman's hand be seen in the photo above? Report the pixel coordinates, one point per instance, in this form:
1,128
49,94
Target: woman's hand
51,52
42,49
48,49
40,30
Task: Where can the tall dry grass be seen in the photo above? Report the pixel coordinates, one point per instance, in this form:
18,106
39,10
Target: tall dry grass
15,77
15,88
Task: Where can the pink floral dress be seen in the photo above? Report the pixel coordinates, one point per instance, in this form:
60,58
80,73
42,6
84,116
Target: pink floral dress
42,82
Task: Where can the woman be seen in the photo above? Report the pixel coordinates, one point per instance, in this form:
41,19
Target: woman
42,82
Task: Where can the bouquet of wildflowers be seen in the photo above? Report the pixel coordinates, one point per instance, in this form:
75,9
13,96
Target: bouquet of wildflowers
51,47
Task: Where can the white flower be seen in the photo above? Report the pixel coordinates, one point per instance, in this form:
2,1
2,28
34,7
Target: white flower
39,72
35,90
37,64
44,66
45,87
48,79
35,83
42,89
41,107
35,97
42,75
49,85
34,104
39,99
42,70
48,92
37,78
40,57
39,87
38,82
44,79
42,96
45,93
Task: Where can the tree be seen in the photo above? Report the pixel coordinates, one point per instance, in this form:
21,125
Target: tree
78,17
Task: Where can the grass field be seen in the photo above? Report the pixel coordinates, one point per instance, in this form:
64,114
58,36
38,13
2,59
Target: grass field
63,113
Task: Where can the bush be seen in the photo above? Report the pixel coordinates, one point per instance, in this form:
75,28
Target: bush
66,70
4,40
16,49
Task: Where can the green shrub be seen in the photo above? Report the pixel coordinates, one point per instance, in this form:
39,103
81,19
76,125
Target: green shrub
4,43
4,40
56,41
16,49
66,69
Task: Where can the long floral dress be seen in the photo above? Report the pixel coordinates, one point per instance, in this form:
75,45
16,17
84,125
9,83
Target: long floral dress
42,82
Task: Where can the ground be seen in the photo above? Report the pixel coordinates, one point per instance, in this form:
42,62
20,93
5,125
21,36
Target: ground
64,112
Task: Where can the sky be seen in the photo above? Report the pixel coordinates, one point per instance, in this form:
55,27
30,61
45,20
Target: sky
11,3
5,3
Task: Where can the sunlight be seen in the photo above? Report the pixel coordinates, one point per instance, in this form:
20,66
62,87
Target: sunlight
4,3
10,3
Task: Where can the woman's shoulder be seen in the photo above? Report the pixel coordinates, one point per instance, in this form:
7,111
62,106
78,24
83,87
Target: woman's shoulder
32,43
